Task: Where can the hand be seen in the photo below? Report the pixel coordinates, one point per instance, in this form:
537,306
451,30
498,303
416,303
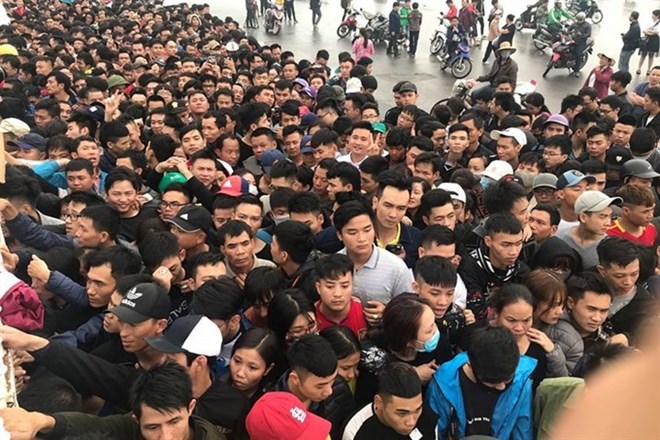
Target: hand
23,425
8,259
619,338
186,286
38,270
169,164
142,200
469,317
406,221
9,211
112,105
540,338
19,340
426,371
182,166
373,312
163,277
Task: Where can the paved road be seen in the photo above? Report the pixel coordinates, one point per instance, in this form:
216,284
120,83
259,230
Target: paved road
433,84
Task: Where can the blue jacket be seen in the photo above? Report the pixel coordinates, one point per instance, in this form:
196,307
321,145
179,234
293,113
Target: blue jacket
83,335
395,22
512,417
49,170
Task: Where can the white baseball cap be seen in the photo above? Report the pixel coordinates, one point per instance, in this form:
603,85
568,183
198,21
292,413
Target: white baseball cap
497,169
455,191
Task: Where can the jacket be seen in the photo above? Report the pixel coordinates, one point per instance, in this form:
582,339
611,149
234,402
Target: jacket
632,38
20,306
395,22
49,170
507,68
415,20
601,82
629,319
550,250
653,123
569,347
119,426
34,235
512,416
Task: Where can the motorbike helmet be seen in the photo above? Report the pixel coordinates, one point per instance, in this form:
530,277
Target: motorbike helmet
581,16
638,168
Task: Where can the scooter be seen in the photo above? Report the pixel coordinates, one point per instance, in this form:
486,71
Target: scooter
592,10
527,19
273,18
440,35
460,62
349,24
563,58
544,37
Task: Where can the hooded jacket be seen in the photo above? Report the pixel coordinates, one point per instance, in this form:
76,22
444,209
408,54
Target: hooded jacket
512,416
552,249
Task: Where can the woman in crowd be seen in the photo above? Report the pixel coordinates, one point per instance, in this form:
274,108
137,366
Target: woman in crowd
252,359
419,187
347,348
291,316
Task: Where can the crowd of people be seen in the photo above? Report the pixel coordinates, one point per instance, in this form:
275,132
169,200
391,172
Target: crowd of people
210,238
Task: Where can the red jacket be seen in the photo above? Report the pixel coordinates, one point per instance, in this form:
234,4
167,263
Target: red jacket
20,305
601,82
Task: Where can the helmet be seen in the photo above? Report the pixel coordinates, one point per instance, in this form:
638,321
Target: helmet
581,16
169,178
638,168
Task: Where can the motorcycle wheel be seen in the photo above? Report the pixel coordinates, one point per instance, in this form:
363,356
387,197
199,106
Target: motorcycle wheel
583,62
597,16
436,45
276,29
518,24
540,45
343,31
461,68
548,67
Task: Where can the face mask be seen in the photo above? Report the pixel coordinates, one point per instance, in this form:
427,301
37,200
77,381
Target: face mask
431,344
485,182
504,55
277,219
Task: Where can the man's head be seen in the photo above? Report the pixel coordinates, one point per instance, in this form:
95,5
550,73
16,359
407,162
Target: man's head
237,245
305,207
204,267
343,177
544,221
619,264
598,141
638,205
556,151
292,243
398,403
594,211
122,187
623,129
191,226
652,100
391,200
571,185
504,239
249,209
589,301
609,107
437,208
509,143
221,300
493,355
98,226
507,196
435,281
619,81
313,366
355,228
104,268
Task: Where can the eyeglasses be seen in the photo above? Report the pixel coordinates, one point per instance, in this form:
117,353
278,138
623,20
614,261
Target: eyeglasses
544,191
172,205
70,216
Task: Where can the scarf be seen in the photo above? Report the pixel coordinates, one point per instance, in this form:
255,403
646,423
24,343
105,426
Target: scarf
483,261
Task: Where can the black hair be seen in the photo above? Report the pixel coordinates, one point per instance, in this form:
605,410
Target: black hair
553,212
342,339
129,281
312,354
48,393
280,197
579,284
374,166
161,245
104,219
122,261
619,251
504,100
233,228
511,293
601,355
458,127
296,239
218,299
561,141
593,166
348,211
503,222
163,388
612,100
397,136
346,173
643,140
570,102
262,340
422,143
435,271
283,309
437,235
433,199
501,196
493,354
262,283
582,119
399,379
622,78
393,179
122,174
305,202
597,130
333,266
203,259
284,169
20,185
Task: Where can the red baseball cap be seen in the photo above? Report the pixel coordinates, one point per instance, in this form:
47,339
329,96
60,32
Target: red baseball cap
234,186
282,416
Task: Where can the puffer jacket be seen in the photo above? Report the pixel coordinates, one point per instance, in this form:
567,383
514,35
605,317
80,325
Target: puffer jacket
568,347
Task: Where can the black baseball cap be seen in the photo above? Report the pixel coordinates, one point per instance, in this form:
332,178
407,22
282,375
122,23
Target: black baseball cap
193,218
142,302
194,334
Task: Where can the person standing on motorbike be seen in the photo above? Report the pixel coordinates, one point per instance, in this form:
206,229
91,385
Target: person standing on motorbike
580,31
556,16
394,29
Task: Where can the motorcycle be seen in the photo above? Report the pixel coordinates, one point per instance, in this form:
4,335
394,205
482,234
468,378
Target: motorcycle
273,18
378,29
440,35
349,24
592,10
563,58
460,62
527,19
545,37
462,89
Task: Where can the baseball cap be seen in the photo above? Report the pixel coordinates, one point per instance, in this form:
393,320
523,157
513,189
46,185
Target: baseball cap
169,178
301,82
616,156
176,107
309,92
234,186
353,85
282,416
194,334
512,132
308,119
30,141
306,145
545,180
407,86
192,218
638,168
497,169
270,158
572,178
379,127
595,201
14,126
142,302
557,119
455,191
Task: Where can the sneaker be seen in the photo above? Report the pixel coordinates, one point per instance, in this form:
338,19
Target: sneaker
485,62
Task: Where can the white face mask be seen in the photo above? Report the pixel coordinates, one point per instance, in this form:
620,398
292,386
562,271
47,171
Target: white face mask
277,219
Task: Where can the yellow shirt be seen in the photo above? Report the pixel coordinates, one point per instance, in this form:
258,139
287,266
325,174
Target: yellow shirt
395,240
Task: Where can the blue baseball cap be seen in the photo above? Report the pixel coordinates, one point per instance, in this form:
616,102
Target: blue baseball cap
270,158
572,178
306,145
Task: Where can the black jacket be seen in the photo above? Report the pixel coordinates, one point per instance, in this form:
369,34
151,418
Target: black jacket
628,319
654,124
632,38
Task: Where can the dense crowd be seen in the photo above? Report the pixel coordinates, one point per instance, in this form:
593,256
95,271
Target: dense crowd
210,238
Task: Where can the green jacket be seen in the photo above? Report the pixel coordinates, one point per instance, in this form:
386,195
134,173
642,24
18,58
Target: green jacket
553,397
119,427
403,13
555,16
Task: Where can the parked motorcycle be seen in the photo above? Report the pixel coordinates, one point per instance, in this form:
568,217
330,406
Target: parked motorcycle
563,58
460,62
545,36
462,89
273,18
527,19
440,35
592,11
349,24
378,29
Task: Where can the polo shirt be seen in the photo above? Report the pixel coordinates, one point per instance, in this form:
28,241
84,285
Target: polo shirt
647,238
383,277
354,320
347,158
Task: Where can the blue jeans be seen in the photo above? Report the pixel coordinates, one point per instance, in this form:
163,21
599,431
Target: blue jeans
624,60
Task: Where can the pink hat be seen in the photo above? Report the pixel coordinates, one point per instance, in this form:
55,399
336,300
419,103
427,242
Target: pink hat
281,416
234,186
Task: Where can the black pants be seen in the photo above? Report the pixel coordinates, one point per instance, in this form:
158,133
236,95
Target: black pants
393,45
290,11
489,49
264,6
413,38
577,50
480,20
316,15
